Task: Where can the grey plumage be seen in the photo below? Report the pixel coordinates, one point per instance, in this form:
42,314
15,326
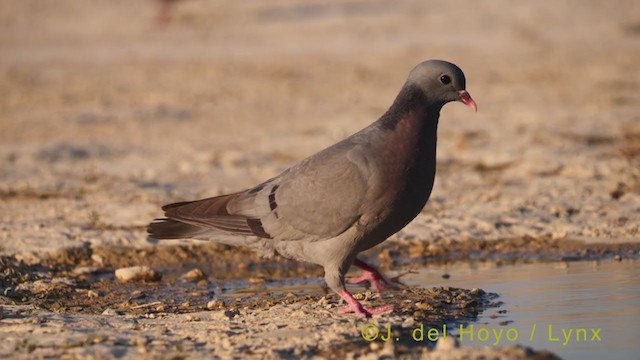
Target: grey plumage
343,200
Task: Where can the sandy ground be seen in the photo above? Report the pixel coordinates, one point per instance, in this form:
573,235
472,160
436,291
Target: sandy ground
105,116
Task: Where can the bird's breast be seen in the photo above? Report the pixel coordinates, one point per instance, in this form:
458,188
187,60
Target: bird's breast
406,171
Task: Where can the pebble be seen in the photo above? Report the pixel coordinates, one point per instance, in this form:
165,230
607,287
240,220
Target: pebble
139,340
97,259
194,275
323,301
617,258
111,312
226,343
446,276
389,350
423,306
477,292
85,270
192,318
447,343
257,281
215,303
137,273
92,294
409,323
225,314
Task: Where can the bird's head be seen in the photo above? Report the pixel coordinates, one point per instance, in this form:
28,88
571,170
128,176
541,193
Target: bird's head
441,82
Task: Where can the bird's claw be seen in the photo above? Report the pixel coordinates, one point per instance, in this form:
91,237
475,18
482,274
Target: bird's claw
376,279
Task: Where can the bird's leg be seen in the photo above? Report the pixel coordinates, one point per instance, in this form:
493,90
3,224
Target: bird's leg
373,276
335,280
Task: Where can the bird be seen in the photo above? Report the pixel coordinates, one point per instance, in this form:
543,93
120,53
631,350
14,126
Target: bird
165,12
343,200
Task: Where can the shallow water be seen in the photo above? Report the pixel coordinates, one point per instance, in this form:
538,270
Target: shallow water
596,303
597,297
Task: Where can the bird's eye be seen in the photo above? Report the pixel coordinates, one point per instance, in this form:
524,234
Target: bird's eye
445,79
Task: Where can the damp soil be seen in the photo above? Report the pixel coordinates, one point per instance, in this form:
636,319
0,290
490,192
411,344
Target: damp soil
235,285
82,279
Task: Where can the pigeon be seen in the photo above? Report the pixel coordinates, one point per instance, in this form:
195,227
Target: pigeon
343,200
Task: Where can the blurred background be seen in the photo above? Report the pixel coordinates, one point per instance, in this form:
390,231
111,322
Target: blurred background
110,108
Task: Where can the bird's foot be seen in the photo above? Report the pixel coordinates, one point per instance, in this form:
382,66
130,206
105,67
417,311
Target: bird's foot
356,307
378,282
375,278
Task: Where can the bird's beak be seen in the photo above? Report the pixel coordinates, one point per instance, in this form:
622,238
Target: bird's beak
467,100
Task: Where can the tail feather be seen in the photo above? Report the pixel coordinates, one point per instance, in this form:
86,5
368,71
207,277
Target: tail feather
195,219
161,229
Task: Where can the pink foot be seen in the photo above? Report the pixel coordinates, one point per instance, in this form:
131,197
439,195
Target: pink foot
357,308
374,277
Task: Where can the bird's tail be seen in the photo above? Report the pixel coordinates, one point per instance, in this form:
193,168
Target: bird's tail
167,229
162,229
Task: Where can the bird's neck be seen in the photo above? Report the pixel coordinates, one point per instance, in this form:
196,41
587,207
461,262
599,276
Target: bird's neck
412,111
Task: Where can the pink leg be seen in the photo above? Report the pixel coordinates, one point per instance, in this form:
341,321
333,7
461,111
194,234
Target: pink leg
355,306
371,275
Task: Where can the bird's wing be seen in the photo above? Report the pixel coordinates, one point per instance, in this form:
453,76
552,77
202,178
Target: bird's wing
319,198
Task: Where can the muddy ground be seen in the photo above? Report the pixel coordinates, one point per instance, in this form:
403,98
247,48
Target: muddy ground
106,114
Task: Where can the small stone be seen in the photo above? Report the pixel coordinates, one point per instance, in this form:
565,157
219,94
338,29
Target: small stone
423,306
323,301
232,313
92,294
617,258
139,341
434,249
477,292
160,308
446,276
374,346
215,304
194,275
409,322
389,350
257,281
137,294
298,314
191,318
226,343
111,312
137,273
447,344
97,259
559,234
